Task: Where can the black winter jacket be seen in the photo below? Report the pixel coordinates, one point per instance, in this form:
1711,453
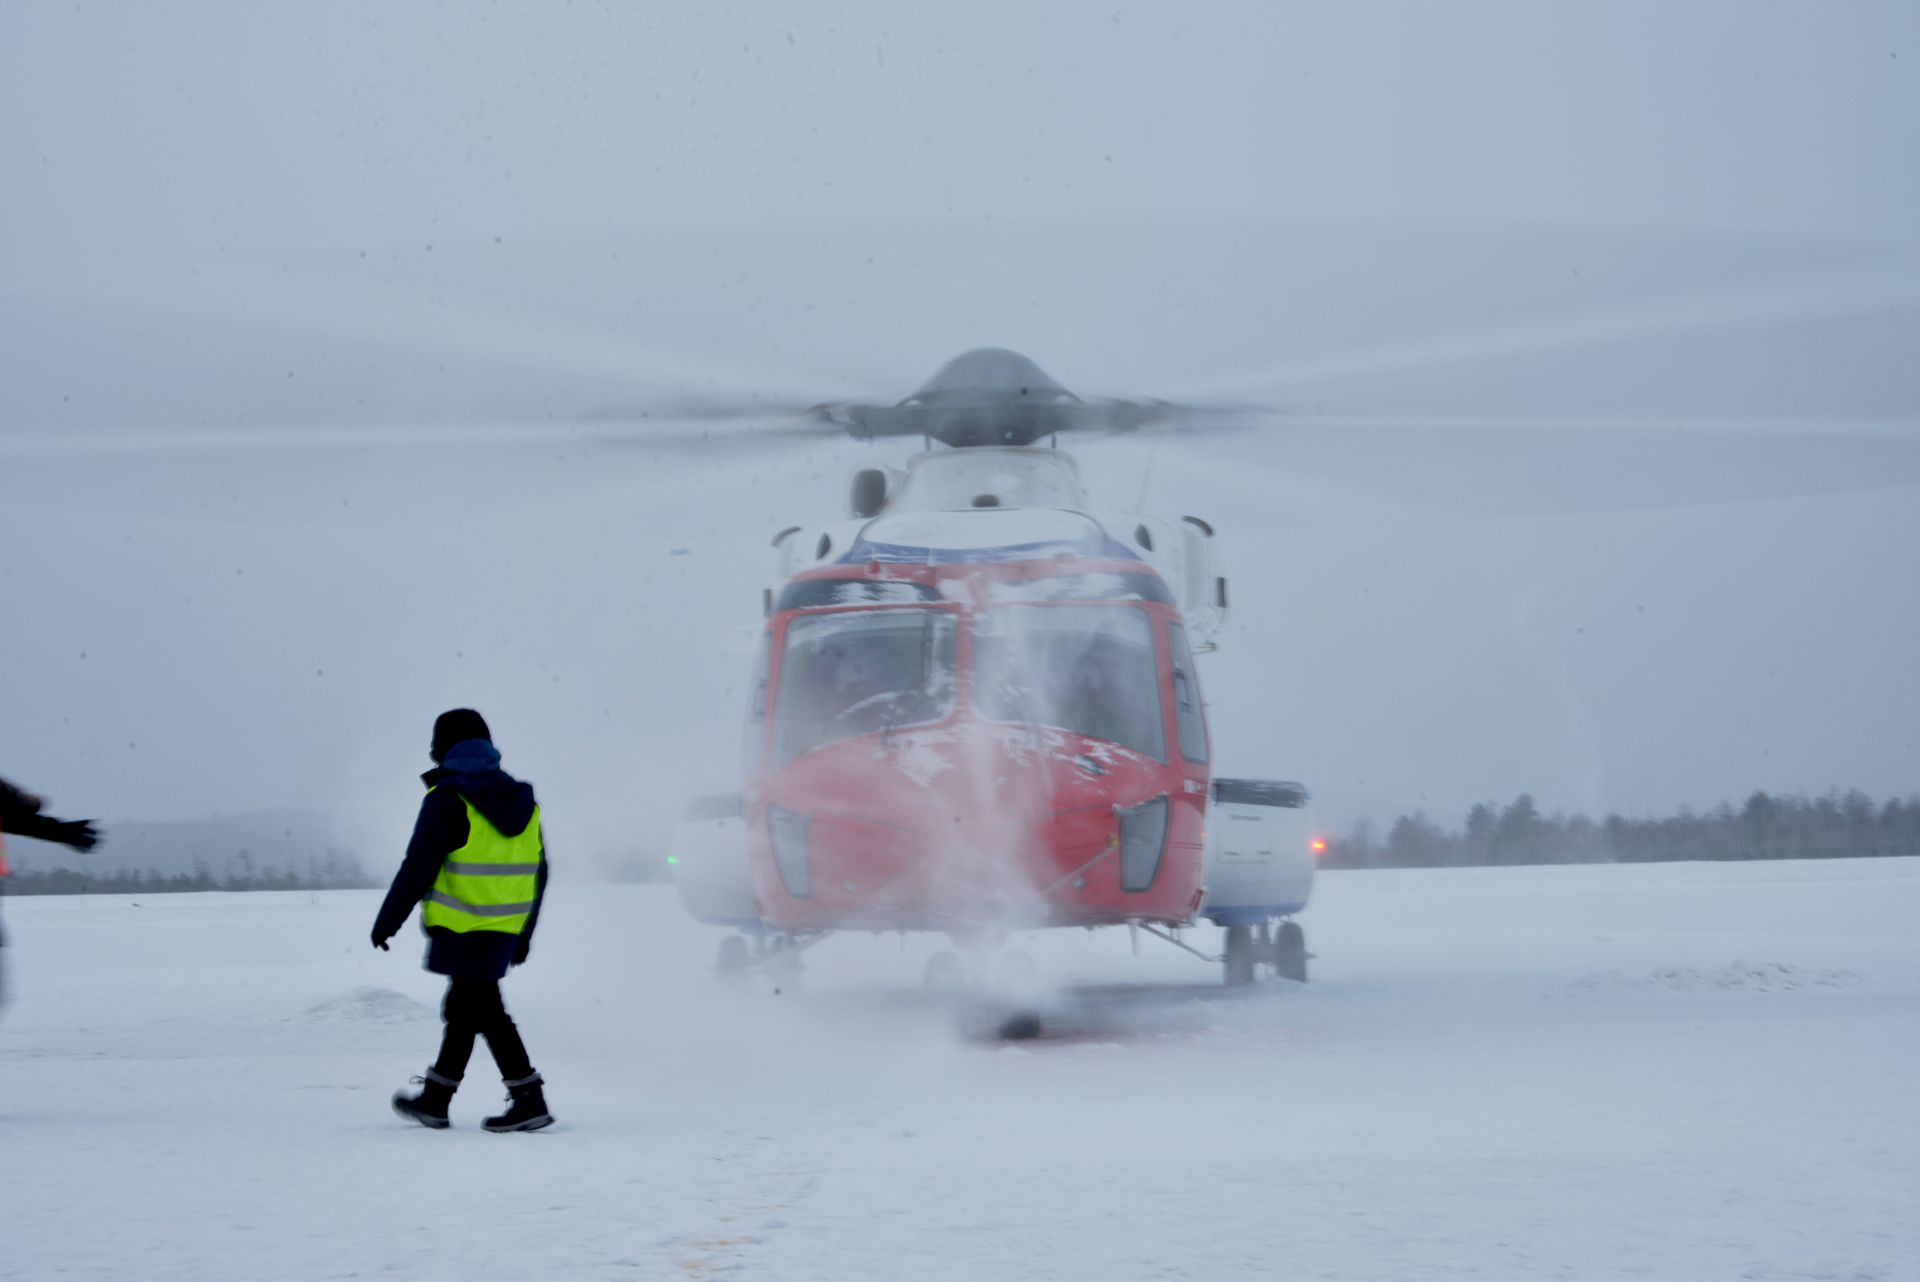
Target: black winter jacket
470,770
20,816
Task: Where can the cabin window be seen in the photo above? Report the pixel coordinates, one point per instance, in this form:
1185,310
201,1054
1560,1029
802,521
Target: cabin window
859,672
1189,719
753,736
1260,792
1085,669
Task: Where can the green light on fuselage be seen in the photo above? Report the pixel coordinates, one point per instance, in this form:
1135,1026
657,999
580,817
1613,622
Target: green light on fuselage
672,860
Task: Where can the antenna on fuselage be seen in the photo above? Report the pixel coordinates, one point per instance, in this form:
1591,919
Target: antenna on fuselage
1146,477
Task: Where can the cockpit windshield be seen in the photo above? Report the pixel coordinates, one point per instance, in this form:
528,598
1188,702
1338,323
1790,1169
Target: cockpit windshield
1087,669
857,672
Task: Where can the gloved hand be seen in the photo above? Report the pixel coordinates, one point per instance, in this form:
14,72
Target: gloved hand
78,833
380,941
521,947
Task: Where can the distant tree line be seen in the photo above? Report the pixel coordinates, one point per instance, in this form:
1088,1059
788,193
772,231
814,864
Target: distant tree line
335,870
1834,826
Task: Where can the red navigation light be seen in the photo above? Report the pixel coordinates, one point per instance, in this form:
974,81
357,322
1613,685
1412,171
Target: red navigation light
1318,845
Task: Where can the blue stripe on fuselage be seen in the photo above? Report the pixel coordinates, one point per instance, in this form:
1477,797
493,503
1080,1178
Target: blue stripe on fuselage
1101,547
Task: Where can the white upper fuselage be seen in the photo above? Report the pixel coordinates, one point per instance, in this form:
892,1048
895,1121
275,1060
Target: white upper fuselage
991,503
988,476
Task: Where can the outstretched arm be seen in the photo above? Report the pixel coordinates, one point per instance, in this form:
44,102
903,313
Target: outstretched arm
20,815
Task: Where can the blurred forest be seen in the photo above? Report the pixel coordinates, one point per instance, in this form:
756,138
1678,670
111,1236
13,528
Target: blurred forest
1833,826
327,870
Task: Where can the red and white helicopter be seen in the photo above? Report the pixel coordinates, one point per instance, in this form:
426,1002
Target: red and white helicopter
976,709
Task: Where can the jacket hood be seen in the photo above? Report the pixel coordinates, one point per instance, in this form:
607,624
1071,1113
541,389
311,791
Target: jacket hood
472,769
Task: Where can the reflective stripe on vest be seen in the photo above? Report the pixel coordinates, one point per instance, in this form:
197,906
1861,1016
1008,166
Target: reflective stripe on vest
491,882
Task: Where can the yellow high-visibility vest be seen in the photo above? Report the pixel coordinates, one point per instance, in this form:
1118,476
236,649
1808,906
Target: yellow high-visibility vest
489,883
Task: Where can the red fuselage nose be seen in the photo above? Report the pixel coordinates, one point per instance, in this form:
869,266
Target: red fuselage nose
976,826
970,743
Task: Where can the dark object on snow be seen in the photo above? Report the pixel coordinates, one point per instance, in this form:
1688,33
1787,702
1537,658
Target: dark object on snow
526,1108
429,1107
1020,1026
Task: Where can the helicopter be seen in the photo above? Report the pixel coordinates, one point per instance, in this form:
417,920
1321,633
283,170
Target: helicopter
975,709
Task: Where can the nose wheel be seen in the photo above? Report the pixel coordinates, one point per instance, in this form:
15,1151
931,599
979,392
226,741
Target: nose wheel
734,956
1289,957
1237,959
1284,948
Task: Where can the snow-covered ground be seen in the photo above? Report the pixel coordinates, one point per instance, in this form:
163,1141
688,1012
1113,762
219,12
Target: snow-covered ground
1683,1071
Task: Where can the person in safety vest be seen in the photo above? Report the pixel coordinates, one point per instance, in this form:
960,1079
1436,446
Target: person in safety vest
477,865
20,815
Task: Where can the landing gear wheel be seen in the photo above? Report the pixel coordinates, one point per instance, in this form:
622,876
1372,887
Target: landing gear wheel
1290,952
733,955
1238,962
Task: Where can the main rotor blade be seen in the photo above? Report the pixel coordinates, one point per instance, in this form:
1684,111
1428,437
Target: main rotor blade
1855,292
390,315
1571,464
665,435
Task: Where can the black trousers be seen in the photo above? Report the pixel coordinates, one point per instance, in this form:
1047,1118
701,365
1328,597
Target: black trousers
473,1008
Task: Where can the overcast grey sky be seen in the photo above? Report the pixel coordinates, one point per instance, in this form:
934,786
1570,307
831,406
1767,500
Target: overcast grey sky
230,216
213,123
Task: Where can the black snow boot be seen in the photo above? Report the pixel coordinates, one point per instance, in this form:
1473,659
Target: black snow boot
526,1108
429,1107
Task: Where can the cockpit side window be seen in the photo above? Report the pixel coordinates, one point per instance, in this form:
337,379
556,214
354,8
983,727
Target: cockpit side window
1190,718
753,735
